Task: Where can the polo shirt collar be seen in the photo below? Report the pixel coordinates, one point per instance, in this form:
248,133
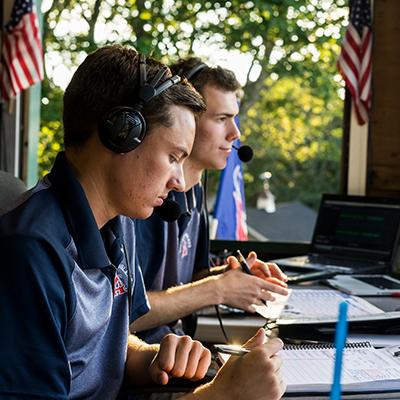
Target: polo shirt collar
78,214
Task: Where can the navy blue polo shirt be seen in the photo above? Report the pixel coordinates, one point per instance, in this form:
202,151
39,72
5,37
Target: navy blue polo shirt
170,253
64,294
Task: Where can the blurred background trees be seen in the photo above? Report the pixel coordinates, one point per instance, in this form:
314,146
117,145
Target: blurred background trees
283,51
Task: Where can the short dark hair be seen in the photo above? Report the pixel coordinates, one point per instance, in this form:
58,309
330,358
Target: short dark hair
109,77
218,77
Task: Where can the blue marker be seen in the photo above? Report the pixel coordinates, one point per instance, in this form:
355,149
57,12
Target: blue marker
340,343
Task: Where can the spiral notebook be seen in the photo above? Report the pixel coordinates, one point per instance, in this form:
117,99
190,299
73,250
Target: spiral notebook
309,368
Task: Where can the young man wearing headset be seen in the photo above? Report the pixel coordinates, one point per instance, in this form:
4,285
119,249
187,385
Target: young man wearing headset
174,256
72,285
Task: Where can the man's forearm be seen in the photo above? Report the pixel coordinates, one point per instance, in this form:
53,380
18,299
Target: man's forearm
177,302
209,391
139,357
209,272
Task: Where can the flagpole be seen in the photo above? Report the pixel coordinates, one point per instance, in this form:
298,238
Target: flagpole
17,135
213,228
358,149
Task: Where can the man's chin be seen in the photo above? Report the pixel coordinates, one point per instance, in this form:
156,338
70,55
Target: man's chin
216,163
144,214
220,165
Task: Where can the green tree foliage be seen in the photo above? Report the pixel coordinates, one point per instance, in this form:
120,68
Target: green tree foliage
298,141
290,101
51,134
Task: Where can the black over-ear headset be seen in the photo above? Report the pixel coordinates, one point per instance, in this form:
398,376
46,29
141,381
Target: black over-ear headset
193,71
123,128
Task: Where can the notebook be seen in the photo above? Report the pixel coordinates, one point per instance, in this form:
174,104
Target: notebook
353,234
304,306
309,368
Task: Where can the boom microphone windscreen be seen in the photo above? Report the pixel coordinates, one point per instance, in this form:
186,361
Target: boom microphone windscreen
169,211
245,153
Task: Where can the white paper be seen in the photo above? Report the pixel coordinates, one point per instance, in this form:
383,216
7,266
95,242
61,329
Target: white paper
313,305
310,369
273,309
364,368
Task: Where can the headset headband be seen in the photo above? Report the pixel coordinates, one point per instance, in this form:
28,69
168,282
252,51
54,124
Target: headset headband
149,90
196,69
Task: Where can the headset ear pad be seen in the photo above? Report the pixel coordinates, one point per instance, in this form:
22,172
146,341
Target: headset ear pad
122,129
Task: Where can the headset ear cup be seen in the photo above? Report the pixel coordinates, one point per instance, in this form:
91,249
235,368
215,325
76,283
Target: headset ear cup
122,129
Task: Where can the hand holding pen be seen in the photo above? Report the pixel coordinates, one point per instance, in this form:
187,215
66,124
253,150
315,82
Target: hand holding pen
241,351
262,337
246,268
244,291
257,372
264,269
269,272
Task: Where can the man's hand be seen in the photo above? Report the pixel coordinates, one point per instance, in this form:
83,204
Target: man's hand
254,376
179,357
241,290
265,270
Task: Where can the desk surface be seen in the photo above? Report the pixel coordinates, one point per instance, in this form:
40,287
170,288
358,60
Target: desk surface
240,328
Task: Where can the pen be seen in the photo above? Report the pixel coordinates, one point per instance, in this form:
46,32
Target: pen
243,263
232,350
245,267
340,343
238,350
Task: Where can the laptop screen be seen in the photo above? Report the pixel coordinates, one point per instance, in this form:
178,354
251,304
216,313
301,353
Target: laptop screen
357,227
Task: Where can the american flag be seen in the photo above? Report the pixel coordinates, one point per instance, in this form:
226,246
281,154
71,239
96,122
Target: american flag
355,62
22,56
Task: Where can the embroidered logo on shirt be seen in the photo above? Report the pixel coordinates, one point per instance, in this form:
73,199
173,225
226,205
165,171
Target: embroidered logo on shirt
185,245
119,287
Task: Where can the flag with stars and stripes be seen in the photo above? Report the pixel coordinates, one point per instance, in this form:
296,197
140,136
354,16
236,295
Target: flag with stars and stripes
22,55
355,61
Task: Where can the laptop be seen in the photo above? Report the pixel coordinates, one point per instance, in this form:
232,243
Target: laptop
353,234
367,285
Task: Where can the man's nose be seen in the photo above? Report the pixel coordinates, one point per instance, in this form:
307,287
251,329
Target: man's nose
177,182
234,132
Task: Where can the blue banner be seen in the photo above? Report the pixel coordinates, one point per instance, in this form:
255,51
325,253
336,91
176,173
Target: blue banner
230,210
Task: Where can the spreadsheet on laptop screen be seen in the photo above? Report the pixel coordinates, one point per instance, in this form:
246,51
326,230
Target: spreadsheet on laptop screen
359,230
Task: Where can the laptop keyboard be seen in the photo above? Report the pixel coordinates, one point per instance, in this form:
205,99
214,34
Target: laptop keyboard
314,262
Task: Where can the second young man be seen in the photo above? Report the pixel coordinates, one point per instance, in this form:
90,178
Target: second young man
174,256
